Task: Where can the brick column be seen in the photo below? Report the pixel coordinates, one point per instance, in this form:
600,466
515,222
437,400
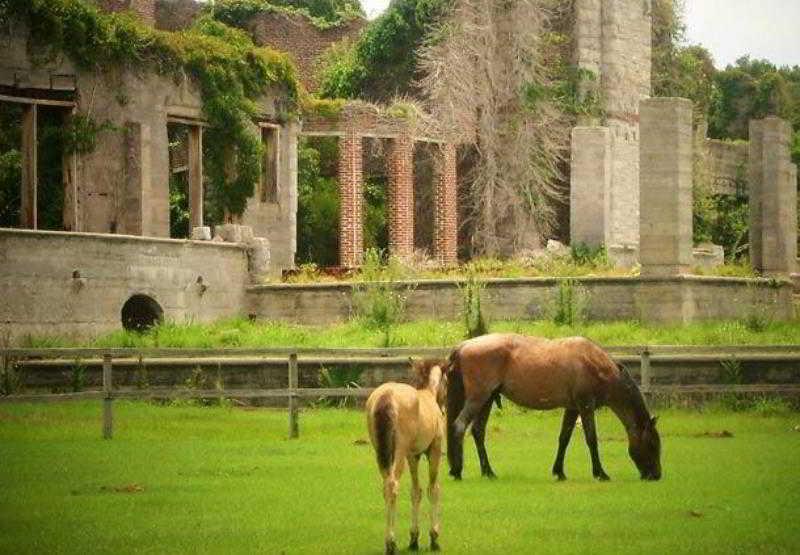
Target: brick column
401,196
351,198
445,226
773,198
665,220
590,184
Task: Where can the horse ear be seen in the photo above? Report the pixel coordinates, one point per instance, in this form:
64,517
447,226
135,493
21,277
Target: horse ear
411,361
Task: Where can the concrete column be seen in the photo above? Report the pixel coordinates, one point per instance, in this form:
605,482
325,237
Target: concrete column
665,222
445,226
401,196
351,199
30,179
773,198
590,183
138,191
195,149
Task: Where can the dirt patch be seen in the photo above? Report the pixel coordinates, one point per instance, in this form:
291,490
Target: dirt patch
724,434
695,514
128,488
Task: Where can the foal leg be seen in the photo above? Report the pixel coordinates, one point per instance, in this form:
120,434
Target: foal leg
590,432
391,484
479,435
434,491
567,425
416,497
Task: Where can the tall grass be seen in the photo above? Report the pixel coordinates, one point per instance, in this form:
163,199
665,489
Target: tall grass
240,332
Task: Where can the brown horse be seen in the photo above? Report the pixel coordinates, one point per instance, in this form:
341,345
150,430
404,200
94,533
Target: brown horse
574,374
404,423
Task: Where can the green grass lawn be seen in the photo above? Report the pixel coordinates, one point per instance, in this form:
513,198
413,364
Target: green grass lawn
183,479
243,333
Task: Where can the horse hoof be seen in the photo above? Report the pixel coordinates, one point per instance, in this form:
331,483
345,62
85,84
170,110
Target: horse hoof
603,477
455,474
413,545
561,477
391,547
491,475
435,542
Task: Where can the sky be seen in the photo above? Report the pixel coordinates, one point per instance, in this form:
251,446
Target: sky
728,28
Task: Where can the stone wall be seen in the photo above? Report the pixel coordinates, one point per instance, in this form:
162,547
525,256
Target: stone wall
657,299
146,9
726,164
75,284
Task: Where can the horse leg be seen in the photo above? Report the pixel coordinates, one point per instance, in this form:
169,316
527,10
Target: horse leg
590,432
567,425
416,497
471,409
391,484
434,491
479,435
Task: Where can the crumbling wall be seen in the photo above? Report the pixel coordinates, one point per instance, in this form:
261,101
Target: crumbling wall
298,36
123,184
727,166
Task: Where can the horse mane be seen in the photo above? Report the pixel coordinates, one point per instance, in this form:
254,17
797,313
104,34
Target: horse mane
632,395
422,371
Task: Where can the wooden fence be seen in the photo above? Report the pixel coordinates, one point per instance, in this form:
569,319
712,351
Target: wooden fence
645,356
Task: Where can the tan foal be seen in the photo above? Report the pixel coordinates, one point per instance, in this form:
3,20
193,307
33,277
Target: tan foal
404,423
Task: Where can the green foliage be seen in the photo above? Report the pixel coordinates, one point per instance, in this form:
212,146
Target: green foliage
229,69
318,202
471,310
10,163
586,255
179,216
722,220
383,62
80,133
379,301
753,89
12,379
78,376
569,303
324,14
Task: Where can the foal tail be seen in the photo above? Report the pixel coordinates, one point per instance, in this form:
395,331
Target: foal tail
455,403
385,416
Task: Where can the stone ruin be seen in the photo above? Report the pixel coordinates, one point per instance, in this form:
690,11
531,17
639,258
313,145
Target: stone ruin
631,177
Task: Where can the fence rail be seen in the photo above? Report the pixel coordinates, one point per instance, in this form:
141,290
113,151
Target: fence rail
293,358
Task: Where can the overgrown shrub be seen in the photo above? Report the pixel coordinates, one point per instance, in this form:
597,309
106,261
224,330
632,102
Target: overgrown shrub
569,304
471,289
378,299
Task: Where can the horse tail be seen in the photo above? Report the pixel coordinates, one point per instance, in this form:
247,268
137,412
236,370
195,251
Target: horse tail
455,403
385,416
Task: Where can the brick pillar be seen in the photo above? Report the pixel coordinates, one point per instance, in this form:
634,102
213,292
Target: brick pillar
445,225
665,220
401,196
773,198
351,198
590,184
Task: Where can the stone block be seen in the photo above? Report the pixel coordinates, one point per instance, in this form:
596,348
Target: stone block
258,259
708,256
230,233
202,233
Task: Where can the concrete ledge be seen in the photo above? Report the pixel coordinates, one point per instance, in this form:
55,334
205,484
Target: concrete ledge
683,298
111,237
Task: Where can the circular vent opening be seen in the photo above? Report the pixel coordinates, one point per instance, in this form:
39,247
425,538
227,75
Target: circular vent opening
140,313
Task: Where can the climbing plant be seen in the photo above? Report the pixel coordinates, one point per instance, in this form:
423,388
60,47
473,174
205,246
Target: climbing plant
231,72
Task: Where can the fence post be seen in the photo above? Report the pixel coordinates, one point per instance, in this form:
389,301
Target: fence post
646,371
294,425
108,417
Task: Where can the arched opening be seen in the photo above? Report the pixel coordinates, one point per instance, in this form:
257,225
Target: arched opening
140,313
